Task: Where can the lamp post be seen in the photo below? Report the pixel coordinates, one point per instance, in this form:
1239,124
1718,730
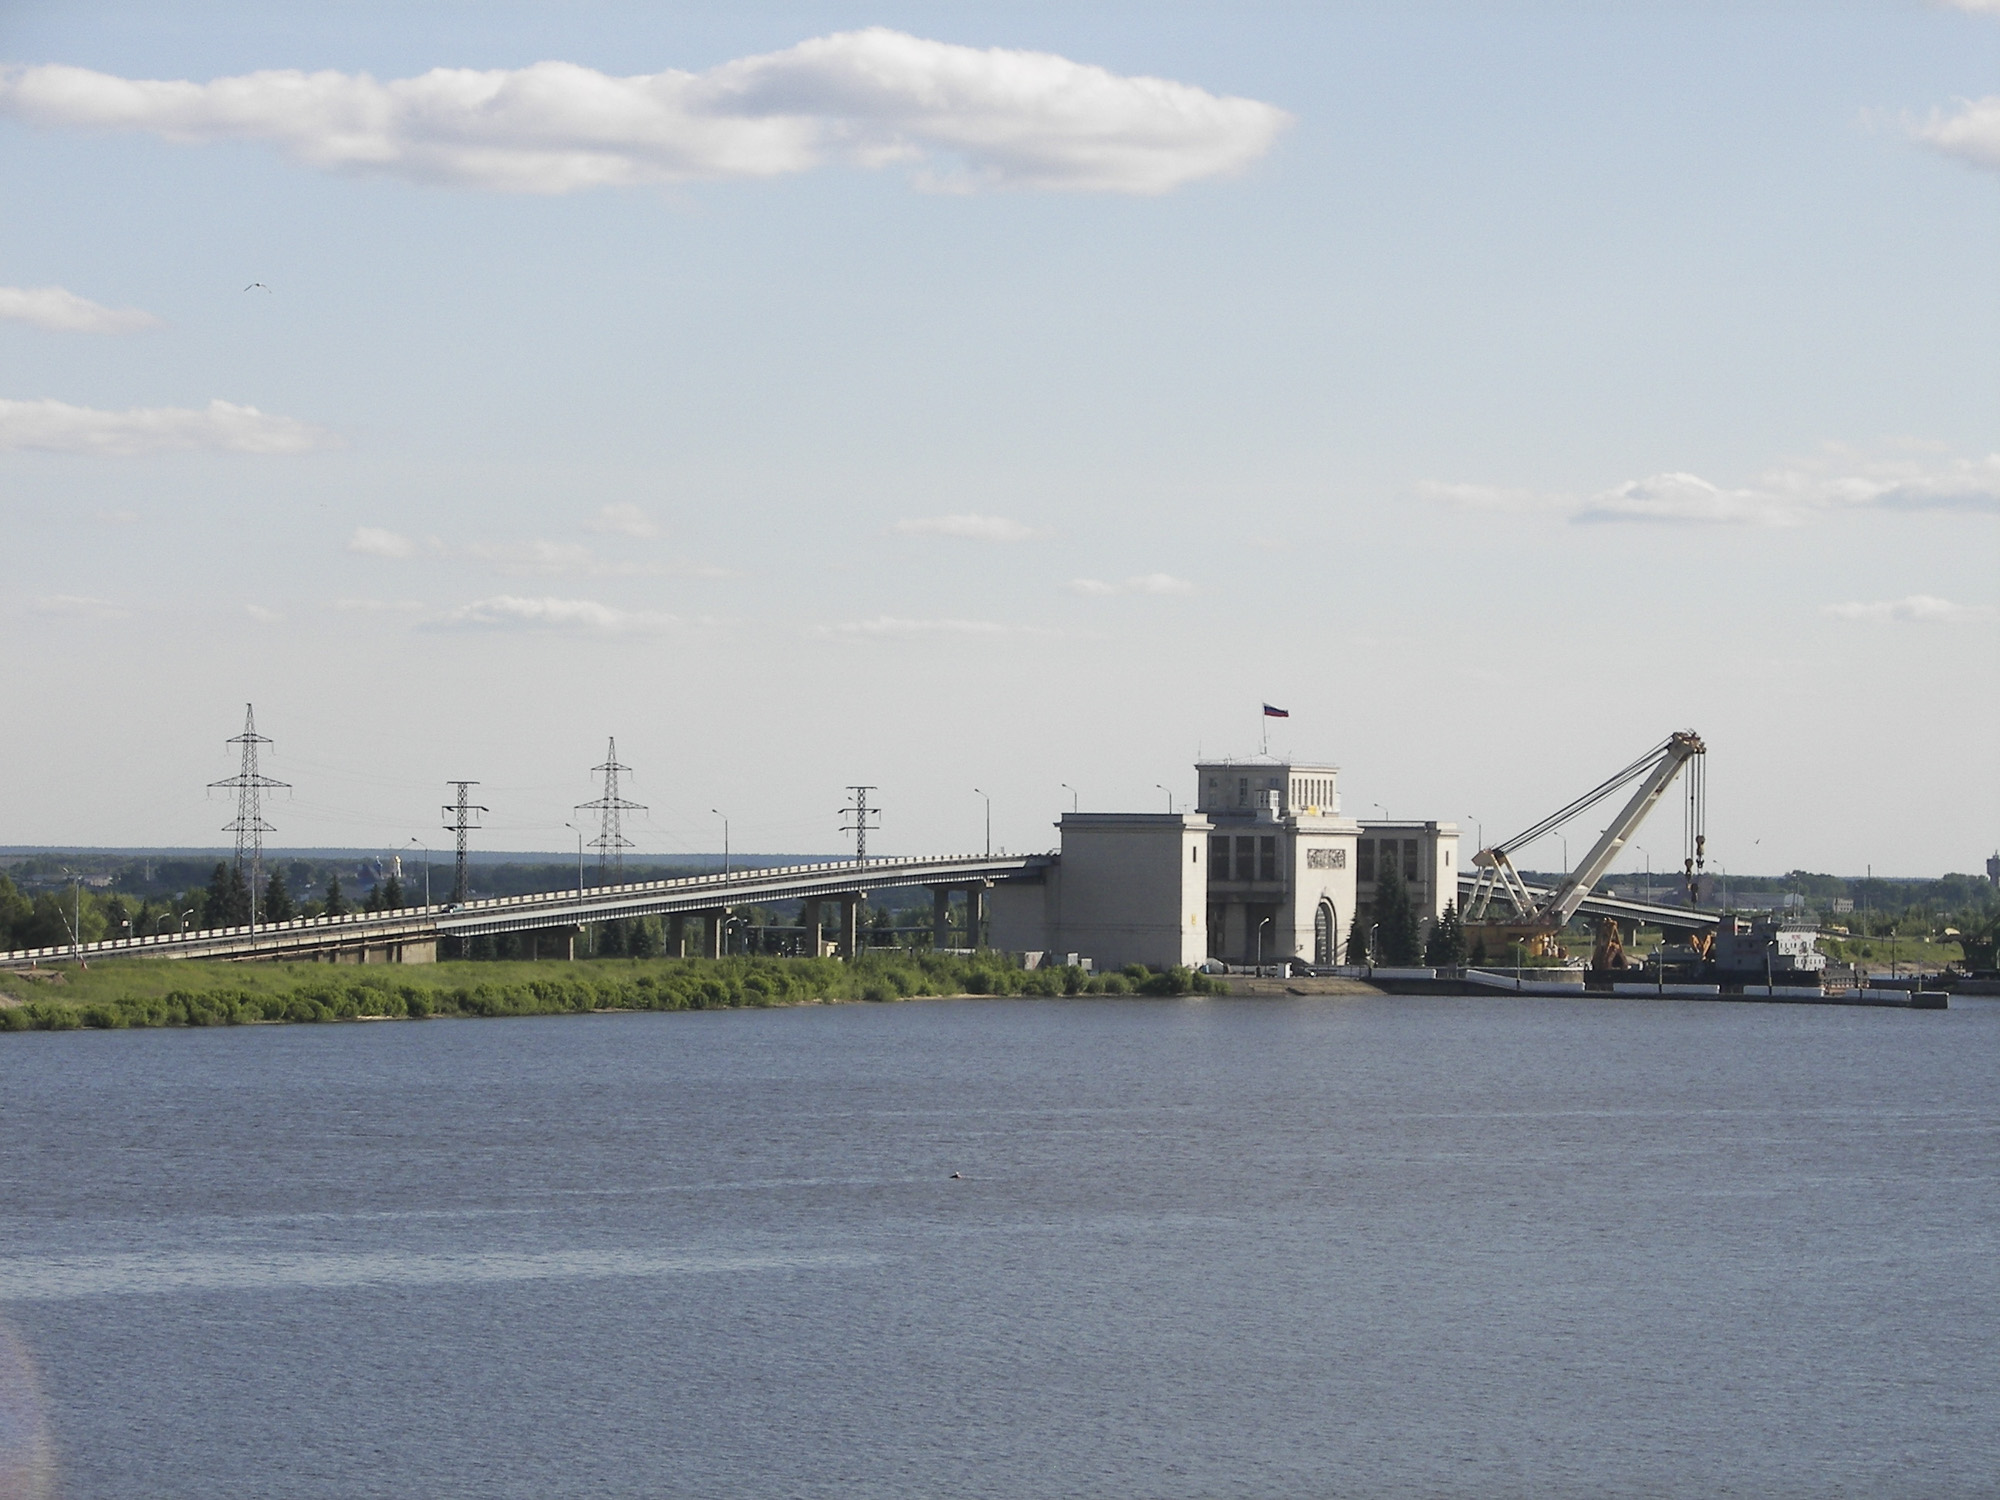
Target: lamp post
1381,809
1481,826
725,841
1649,869
989,820
184,920
1267,922
1162,787
1074,800
579,860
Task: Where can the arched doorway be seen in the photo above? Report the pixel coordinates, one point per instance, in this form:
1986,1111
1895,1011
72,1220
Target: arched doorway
1324,931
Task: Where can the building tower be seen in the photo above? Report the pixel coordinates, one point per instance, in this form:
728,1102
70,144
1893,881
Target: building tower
249,825
610,842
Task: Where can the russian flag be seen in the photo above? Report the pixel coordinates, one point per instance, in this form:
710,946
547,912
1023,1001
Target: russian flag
1276,713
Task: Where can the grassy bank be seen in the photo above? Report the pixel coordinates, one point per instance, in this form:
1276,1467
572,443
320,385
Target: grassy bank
140,992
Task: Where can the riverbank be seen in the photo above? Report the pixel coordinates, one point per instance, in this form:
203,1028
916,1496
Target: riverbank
143,992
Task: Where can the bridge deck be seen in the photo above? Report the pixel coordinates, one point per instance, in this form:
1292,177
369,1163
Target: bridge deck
308,936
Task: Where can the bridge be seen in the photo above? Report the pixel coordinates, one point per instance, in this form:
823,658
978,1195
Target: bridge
411,934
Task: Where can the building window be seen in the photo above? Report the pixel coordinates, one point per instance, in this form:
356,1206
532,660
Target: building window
1243,791
1218,858
1246,857
1364,861
1267,858
1386,859
1409,859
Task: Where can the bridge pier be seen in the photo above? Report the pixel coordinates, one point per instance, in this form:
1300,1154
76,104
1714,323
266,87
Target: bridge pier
711,933
809,915
975,897
548,942
850,926
677,943
940,918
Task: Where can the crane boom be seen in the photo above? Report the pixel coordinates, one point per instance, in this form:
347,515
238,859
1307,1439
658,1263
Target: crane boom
1654,771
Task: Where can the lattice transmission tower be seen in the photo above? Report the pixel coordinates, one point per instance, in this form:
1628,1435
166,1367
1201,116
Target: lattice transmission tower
854,819
462,821
249,826
610,842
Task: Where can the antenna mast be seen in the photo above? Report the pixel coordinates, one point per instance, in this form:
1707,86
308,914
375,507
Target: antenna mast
250,827
610,842
462,823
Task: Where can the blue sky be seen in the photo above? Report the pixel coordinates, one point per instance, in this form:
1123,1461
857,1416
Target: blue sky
1497,387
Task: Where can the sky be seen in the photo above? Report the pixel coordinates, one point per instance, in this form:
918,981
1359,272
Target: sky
1000,403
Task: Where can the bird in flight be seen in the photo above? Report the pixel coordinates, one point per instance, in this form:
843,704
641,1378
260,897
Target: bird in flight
255,285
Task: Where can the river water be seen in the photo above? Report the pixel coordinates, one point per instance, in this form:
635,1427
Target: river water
1314,1247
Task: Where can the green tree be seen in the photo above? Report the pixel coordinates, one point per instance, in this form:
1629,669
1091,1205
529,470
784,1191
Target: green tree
644,939
278,899
1445,948
392,894
1357,939
15,910
337,904
226,903
1397,927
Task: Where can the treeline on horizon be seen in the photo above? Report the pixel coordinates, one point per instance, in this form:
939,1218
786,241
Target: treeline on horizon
136,994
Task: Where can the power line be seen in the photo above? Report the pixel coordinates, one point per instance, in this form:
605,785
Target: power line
461,824
610,842
860,812
249,825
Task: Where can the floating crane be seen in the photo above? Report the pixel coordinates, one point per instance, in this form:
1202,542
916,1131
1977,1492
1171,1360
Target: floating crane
1533,921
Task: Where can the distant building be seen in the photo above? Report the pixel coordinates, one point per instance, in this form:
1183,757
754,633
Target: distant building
1266,868
1993,868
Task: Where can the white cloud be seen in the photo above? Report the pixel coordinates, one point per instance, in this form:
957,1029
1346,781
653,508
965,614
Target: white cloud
65,312
1147,583
81,606
1977,7
962,117
889,627
374,541
262,615
58,427
973,528
1914,609
507,612
1972,133
1839,480
623,520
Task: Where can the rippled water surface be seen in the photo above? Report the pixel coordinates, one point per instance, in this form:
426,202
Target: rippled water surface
1423,1247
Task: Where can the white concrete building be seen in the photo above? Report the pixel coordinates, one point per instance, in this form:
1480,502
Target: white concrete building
1129,888
1265,869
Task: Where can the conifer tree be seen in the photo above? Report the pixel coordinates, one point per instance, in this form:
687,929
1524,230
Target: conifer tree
392,894
1445,948
278,899
215,901
239,897
1357,939
1396,921
337,904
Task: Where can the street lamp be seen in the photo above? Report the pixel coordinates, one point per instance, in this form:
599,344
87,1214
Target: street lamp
1481,826
1649,869
989,820
579,860
1161,786
1267,922
725,841
1381,809
1074,800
